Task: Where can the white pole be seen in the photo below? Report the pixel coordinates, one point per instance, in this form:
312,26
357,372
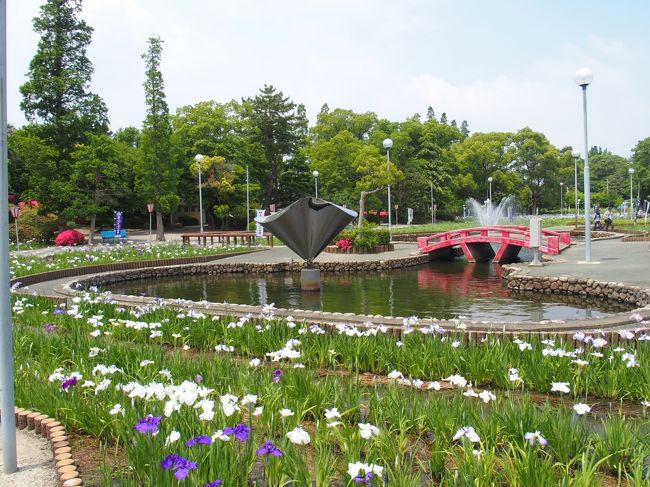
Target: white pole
587,182
631,204
200,196
6,341
575,186
248,201
17,241
149,226
432,219
316,185
390,237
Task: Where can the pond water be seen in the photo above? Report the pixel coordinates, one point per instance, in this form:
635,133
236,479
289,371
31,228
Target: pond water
440,290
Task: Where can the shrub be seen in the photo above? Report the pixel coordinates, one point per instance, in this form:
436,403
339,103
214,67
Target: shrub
364,237
33,226
69,237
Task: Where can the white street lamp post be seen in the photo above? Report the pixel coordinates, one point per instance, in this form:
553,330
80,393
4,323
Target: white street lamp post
388,143
561,197
576,155
315,174
248,201
490,179
632,211
150,211
199,161
583,77
432,213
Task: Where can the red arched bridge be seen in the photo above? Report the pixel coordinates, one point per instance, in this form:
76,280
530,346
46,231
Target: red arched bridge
476,243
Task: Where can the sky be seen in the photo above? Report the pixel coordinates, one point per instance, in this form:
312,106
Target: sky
501,65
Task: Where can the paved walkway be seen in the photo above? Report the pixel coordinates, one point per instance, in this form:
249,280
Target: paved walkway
35,462
626,262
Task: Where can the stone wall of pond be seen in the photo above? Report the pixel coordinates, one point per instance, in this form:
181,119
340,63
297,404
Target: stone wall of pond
615,291
253,268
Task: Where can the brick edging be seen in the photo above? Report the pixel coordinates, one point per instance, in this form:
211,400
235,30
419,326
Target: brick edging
49,428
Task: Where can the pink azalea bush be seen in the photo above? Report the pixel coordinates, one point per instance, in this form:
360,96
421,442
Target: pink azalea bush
344,243
69,237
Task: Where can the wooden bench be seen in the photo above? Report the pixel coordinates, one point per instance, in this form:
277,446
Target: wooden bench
224,238
108,236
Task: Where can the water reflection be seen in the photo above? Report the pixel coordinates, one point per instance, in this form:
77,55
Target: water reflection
440,289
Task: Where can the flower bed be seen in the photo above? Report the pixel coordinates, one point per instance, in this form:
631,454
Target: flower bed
193,399
107,254
333,249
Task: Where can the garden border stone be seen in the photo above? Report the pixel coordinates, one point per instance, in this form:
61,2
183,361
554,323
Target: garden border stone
51,430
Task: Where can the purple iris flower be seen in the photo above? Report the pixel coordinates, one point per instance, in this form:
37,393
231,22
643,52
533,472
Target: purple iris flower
49,327
240,431
213,484
69,382
148,424
198,440
180,465
277,373
168,461
268,449
367,480
198,378
58,311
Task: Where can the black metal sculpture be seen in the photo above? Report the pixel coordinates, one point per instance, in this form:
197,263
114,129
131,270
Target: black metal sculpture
307,226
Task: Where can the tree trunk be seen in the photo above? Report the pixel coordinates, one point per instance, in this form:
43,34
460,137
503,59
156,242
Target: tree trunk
362,208
91,235
160,227
362,204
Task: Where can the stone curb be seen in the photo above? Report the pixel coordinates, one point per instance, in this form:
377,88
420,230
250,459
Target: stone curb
54,432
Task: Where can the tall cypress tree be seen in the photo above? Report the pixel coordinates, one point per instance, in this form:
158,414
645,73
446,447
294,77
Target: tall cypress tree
56,97
156,173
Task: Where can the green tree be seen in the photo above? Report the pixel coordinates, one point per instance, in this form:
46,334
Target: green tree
99,174
278,126
464,128
56,96
537,163
217,129
641,164
156,173
431,115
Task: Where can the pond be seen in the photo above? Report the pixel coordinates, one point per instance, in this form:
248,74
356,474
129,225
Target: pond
440,290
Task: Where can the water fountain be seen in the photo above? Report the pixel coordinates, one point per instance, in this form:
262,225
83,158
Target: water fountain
487,213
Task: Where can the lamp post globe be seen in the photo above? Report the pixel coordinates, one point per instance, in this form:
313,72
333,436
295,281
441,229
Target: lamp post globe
388,143
199,158
315,174
583,77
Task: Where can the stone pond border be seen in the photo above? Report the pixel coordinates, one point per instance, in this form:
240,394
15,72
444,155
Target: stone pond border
514,275
52,430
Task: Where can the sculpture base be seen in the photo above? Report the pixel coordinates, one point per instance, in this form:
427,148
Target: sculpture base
310,280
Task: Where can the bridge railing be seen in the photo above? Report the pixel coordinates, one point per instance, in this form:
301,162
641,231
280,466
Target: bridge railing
551,239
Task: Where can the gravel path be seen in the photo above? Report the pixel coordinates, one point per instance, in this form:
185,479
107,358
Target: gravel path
35,462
